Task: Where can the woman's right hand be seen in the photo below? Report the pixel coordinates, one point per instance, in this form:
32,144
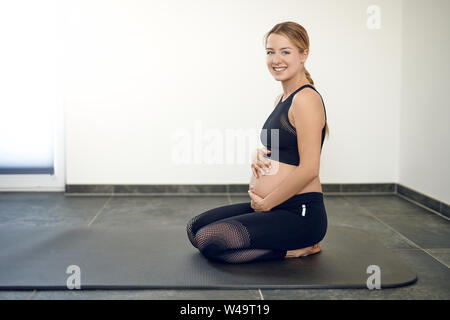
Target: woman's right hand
260,164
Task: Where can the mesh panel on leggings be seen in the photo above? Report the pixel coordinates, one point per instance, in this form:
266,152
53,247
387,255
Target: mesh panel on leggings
190,232
247,255
222,236
229,242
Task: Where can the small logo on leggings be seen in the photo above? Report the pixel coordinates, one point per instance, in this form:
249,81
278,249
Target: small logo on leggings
303,210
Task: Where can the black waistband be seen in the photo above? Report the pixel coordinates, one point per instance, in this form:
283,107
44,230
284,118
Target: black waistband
302,198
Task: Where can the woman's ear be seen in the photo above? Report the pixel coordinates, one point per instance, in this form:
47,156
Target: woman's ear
304,55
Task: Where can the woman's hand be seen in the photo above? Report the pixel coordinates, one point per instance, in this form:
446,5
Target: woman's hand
257,203
260,164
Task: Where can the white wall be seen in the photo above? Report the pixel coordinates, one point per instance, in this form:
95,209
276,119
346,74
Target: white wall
425,110
137,72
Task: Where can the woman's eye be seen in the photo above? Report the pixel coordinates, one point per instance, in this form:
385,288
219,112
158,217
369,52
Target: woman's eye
272,51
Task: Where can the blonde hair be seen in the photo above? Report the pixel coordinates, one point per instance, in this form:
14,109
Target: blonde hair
299,37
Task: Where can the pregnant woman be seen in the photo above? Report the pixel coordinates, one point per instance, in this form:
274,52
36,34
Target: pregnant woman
286,215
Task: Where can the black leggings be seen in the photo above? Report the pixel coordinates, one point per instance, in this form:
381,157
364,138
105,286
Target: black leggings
236,233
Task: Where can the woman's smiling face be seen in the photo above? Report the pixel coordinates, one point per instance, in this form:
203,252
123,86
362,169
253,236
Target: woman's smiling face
281,52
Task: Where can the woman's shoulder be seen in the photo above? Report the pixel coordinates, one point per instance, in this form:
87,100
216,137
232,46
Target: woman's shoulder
308,93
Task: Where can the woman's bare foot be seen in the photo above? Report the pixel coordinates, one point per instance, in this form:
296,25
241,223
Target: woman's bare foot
303,252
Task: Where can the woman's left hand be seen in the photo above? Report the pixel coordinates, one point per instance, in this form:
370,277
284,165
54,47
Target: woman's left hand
257,203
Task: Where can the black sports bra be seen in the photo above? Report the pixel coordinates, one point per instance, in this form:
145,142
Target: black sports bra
285,135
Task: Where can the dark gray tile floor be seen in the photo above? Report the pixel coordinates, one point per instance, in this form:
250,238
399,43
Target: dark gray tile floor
419,237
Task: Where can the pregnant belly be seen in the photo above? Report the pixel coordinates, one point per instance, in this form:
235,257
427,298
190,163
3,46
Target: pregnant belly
267,183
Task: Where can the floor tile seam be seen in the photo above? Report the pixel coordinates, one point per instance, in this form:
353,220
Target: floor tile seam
31,295
427,251
398,233
260,294
99,211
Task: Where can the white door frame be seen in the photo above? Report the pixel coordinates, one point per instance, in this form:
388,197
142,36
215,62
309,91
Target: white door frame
44,182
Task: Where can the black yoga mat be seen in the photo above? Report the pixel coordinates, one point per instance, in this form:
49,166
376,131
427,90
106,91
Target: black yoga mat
161,257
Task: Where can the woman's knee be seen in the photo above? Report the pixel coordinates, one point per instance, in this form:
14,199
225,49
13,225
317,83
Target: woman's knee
220,236
191,231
